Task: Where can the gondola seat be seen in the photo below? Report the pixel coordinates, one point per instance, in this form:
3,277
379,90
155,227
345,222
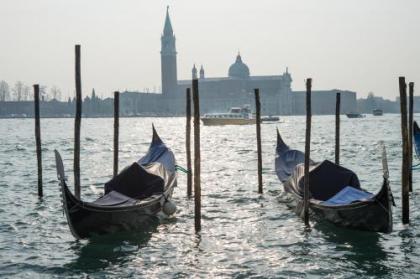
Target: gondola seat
127,182
347,196
326,179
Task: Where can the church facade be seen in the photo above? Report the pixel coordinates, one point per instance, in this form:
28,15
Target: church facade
217,94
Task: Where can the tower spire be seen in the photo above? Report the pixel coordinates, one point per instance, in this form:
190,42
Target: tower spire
194,72
202,72
168,58
167,29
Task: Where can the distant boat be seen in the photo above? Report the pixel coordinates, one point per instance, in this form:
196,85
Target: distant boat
355,115
131,200
270,118
235,116
377,112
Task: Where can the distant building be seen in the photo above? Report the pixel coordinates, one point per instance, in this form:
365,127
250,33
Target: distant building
221,93
416,103
323,102
367,105
216,93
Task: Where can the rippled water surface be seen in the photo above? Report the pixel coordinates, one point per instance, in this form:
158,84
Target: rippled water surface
244,234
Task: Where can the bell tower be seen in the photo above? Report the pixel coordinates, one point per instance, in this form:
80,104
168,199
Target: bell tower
168,59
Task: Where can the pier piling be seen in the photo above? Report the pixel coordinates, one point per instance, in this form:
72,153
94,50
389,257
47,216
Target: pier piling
77,124
307,150
337,128
38,139
188,142
405,150
258,125
116,129
197,181
410,133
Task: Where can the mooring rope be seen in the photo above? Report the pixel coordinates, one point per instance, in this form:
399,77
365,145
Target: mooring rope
416,165
179,168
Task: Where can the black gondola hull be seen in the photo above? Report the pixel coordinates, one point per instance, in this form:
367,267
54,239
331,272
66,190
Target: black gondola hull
374,215
86,220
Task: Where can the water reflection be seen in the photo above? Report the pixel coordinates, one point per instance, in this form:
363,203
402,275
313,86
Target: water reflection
360,248
102,251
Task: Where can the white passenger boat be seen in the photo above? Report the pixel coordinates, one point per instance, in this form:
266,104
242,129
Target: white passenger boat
235,116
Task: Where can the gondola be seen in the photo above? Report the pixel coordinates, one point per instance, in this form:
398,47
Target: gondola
335,192
416,138
131,200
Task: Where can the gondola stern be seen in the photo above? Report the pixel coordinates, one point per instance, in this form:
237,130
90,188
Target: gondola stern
389,203
70,203
68,199
155,139
61,175
59,166
281,145
385,201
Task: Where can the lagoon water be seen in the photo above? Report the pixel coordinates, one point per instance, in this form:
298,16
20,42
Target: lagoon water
244,234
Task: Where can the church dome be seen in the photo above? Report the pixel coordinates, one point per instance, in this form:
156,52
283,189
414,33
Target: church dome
239,69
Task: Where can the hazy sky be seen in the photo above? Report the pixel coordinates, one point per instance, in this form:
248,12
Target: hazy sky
360,45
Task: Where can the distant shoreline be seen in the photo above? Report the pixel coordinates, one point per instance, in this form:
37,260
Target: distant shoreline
89,116
144,116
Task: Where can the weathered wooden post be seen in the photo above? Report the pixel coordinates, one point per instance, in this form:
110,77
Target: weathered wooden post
38,139
188,142
197,182
116,129
410,133
258,122
77,123
337,128
405,158
307,150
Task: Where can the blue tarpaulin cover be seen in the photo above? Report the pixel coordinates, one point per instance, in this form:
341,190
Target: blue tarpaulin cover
347,196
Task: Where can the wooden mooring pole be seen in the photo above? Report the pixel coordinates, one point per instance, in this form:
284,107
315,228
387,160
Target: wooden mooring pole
410,132
337,128
77,123
307,151
38,139
405,153
116,129
188,142
258,125
197,182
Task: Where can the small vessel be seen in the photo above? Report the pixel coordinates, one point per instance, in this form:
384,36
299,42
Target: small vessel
335,192
355,115
377,112
235,116
131,200
270,118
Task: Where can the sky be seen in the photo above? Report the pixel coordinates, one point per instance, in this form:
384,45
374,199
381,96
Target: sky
358,45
